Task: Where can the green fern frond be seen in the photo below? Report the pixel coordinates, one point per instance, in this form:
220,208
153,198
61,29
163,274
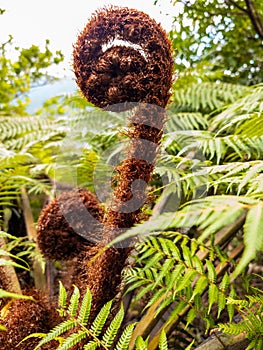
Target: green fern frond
58,330
240,111
141,344
206,97
78,320
163,341
13,127
100,319
74,302
62,299
84,311
185,121
124,339
213,208
191,315
113,328
253,236
93,345
72,340
252,126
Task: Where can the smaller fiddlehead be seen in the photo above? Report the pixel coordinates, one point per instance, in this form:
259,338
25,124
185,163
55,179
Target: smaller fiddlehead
62,217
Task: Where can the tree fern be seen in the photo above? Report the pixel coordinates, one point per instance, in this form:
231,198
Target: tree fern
124,339
211,163
77,316
172,275
206,97
252,320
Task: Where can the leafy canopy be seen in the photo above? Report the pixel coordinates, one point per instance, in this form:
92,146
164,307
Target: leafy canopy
228,34
18,75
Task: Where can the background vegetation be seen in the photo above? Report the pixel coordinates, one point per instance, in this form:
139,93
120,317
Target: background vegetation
197,265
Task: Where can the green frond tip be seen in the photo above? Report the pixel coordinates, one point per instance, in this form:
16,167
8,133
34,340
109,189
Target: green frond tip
100,319
62,299
113,328
84,311
163,345
74,302
141,344
124,340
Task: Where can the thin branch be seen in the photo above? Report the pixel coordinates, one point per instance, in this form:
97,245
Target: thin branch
254,17
234,3
223,341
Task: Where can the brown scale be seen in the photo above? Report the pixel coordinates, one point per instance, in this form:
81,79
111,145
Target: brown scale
56,236
26,317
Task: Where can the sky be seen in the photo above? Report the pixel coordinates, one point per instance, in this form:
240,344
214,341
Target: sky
60,21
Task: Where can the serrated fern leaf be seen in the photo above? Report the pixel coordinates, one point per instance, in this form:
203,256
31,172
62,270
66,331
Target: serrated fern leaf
62,299
140,344
93,345
124,340
100,319
58,330
72,340
163,345
113,328
74,302
84,311
192,314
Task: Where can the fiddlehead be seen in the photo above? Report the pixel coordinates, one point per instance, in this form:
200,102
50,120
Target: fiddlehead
57,239
123,74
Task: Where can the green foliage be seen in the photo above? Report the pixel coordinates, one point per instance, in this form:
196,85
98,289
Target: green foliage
75,327
251,309
169,272
214,170
187,260
217,31
17,76
205,97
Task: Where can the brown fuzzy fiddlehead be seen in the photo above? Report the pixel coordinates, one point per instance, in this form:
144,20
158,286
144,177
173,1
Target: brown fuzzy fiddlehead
62,217
122,74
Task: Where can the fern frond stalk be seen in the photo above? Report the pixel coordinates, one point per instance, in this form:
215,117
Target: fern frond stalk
145,82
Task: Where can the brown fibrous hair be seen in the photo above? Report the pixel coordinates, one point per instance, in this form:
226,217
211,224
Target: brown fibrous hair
69,224
123,74
25,317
